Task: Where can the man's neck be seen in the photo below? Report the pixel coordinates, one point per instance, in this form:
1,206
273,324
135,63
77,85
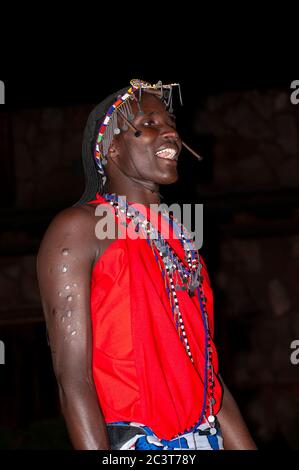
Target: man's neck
136,193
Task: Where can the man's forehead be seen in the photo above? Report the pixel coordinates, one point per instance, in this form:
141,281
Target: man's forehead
152,98
152,104
164,111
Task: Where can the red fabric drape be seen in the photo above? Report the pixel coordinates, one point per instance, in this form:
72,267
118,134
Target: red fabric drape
141,370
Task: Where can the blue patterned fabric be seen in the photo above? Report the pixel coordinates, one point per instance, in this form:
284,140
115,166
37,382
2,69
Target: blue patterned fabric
145,439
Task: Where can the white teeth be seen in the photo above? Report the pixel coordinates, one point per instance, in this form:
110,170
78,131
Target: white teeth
166,153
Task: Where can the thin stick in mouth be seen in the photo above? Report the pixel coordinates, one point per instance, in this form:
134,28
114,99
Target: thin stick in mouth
192,151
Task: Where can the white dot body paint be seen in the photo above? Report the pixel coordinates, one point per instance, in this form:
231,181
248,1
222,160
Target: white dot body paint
69,313
64,268
65,252
67,287
73,333
69,298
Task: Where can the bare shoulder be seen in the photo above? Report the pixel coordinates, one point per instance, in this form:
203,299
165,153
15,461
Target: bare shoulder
74,226
73,219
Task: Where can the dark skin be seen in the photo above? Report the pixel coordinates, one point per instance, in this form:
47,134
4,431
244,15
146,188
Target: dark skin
68,252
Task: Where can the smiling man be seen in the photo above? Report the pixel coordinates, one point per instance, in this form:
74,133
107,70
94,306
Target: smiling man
130,319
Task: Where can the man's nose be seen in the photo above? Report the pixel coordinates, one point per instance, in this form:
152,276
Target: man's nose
170,133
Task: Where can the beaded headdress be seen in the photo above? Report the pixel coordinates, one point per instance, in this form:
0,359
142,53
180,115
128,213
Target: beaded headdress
122,107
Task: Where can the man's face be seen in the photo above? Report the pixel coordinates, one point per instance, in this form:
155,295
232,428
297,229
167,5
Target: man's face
152,156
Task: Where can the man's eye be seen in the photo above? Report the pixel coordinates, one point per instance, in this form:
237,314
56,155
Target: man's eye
148,123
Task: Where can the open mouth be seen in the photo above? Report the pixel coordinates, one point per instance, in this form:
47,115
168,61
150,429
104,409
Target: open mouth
167,154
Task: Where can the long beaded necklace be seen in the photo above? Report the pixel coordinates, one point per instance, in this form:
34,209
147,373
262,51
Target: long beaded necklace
176,277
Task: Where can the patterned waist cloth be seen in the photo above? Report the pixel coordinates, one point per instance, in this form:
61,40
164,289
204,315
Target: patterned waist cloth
124,435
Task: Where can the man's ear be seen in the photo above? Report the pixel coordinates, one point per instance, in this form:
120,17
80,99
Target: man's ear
113,148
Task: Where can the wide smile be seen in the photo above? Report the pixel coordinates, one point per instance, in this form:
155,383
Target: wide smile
167,153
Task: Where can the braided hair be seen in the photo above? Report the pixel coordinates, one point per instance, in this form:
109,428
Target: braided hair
94,183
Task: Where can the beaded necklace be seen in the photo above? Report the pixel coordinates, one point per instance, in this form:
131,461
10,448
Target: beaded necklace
176,277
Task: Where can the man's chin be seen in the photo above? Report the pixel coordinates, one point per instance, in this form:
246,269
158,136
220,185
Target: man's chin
169,179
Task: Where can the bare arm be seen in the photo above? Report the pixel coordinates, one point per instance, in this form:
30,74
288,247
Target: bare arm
234,430
64,266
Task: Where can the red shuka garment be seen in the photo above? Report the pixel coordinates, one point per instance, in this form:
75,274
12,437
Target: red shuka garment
141,369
